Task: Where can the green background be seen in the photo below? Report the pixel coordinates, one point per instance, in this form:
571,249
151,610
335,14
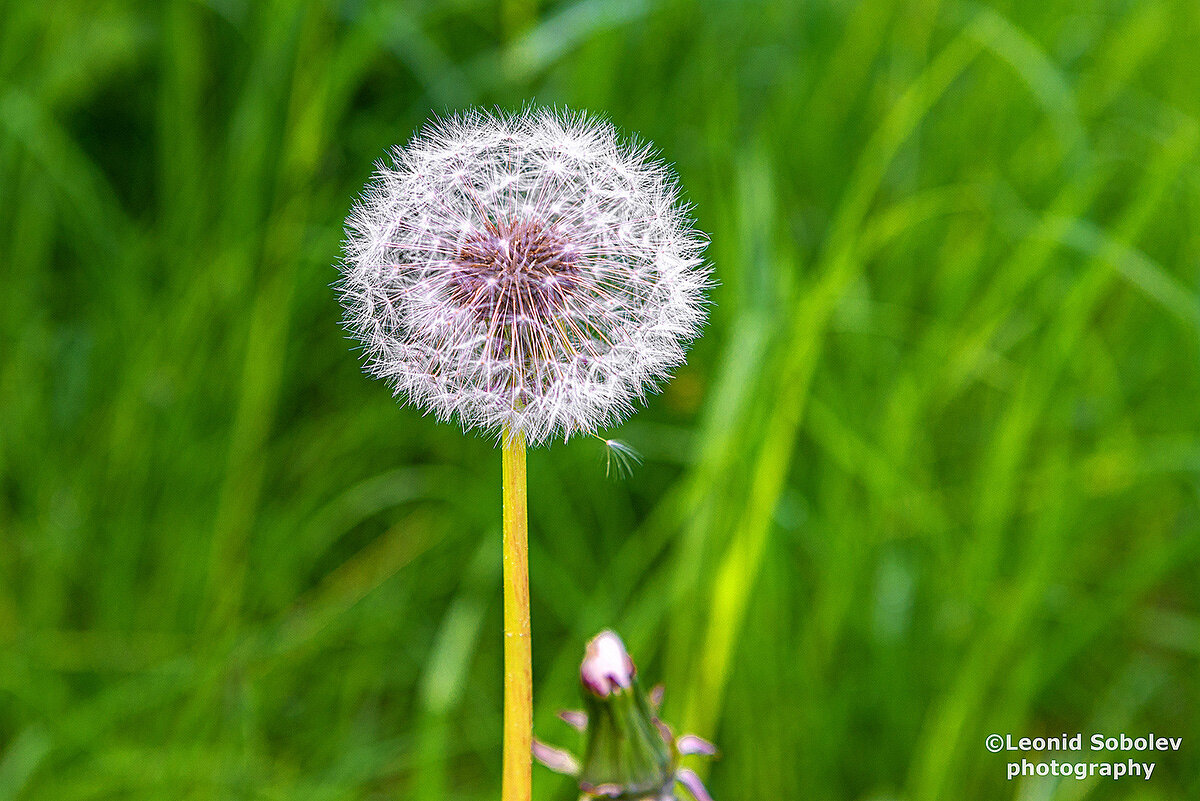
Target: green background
932,472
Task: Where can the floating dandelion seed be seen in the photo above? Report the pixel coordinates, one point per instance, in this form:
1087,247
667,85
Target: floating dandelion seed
619,458
529,273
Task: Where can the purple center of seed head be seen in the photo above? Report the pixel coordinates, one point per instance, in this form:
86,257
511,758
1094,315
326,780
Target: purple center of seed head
513,273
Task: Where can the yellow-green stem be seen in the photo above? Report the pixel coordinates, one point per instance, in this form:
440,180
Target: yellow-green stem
518,651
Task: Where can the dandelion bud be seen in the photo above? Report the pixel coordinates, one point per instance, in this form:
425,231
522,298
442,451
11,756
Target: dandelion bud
625,749
628,753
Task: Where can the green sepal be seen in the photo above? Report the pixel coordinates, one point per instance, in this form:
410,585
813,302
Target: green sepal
625,753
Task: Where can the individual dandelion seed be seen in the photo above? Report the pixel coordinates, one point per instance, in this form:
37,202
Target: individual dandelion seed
532,276
629,753
526,273
619,458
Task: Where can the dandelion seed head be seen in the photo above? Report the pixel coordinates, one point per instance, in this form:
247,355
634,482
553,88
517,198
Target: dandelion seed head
528,272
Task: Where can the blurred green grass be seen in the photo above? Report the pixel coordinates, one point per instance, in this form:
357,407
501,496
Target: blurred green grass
932,472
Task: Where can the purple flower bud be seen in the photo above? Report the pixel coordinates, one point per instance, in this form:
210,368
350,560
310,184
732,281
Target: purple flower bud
629,753
606,665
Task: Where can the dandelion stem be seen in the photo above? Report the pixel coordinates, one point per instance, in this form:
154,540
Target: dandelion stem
518,668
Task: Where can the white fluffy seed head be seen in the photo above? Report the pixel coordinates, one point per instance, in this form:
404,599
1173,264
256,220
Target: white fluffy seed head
529,273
